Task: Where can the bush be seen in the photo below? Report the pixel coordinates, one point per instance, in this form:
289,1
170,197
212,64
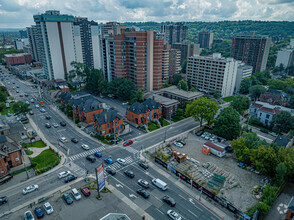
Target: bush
261,207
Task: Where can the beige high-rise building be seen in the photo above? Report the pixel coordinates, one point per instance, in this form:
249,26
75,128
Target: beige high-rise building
171,63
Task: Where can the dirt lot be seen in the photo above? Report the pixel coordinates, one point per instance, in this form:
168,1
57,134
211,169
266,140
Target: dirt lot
239,182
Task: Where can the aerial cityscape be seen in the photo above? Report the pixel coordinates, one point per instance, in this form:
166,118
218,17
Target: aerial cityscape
129,110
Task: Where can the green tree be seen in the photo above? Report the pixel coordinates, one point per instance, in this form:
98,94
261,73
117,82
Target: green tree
262,77
180,112
166,85
95,81
227,124
193,89
269,195
281,172
291,103
263,209
278,84
244,86
285,156
176,78
138,96
240,103
251,139
256,91
216,94
283,122
183,85
3,89
202,109
122,88
21,108
78,72
68,110
184,66
2,106
3,96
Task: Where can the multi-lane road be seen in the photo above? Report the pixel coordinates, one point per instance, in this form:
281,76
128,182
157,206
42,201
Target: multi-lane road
186,206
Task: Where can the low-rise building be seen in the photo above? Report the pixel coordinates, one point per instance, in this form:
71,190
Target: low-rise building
143,113
17,59
213,148
243,72
275,97
108,122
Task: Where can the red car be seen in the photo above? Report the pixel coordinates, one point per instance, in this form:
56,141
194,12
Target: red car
127,143
20,95
85,191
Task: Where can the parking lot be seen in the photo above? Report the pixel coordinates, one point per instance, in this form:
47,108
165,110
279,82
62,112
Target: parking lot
210,170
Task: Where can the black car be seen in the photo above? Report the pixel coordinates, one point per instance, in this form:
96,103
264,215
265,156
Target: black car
143,193
199,133
39,212
182,142
67,198
47,125
170,201
91,158
74,140
144,165
62,123
110,171
129,173
70,178
48,117
3,200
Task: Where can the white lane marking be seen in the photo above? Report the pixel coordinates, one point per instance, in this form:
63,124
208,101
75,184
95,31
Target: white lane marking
159,211
182,197
193,213
119,185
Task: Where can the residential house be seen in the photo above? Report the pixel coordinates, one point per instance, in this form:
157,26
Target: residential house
275,97
108,122
283,141
64,98
87,110
143,113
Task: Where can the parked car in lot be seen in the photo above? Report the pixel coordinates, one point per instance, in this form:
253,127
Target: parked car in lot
91,158
182,142
204,134
74,140
47,125
85,191
178,144
143,165
69,178
173,215
3,200
98,154
207,137
143,193
108,160
125,103
170,201
127,143
30,189
110,171
62,123
264,131
143,183
85,147
121,161
48,208
67,198
63,174
39,212
76,194
129,173
28,215
199,133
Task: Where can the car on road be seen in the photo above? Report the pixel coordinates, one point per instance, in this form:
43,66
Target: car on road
20,95
85,191
30,189
173,215
76,194
48,117
42,110
121,161
143,183
55,125
63,174
37,106
17,91
91,158
129,173
48,208
32,100
3,200
74,140
27,102
47,125
143,165
28,215
108,160
62,123
127,143
110,171
85,147
31,112
39,212
69,178
143,192
63,140
169,200
98,154
67,198
178,144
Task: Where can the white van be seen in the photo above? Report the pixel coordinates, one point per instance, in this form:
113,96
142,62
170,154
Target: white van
160,184
76,194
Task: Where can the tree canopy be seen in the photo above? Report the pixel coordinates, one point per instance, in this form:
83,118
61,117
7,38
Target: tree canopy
21,108
176,79
283,122
122,88
256,91
183,85
240,103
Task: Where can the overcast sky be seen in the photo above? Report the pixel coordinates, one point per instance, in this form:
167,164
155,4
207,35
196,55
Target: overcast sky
19,13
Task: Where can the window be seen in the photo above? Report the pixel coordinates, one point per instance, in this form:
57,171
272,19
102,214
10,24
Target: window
108,125
260,114
267,115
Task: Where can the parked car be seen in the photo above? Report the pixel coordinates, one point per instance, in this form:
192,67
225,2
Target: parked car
108,160
199,133
91,158
127,143
182,142
69,178
204,135
47,125
48,208
143,183
74,140
98,154
28,215
125,103
143,193
85,191
63,174
85,146
173,215
39,212
170,201
30,189
55,125
67,198
207,137
62,123
178,144
76,194
121,161
110,171
143,165
48,117
129,173
3,200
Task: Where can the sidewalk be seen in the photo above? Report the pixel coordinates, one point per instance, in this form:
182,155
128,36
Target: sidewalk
37,151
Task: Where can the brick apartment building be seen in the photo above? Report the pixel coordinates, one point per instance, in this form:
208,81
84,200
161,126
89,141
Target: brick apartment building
108,122
18,59
143,113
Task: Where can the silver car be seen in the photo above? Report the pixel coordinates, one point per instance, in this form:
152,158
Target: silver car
63,174
30,189
85,147
121,161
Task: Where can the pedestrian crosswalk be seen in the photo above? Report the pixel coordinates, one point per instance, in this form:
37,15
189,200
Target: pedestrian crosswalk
86,153
132,150
76,169
117,166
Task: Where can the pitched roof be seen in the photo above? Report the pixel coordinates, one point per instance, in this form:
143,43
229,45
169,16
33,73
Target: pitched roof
139,108
65,96
77,100
269,110
282,141
106,117
3,139
89,105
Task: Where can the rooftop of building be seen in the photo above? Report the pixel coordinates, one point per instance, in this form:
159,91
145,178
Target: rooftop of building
139,108
213,57
282,141
16,54
176,91
106,116
263,106
161,99
251,36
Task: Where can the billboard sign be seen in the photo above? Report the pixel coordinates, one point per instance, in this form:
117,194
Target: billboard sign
100,177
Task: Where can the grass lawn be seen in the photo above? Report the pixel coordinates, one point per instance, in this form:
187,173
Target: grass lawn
228,99
38,144
152,127
5,111
164,122
177,118
45,161
29,152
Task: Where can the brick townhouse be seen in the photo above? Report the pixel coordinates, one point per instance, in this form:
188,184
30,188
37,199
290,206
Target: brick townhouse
143,113
108,122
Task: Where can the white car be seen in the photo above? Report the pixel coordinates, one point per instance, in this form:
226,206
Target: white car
76,194
48,208
30,189
63,174
121,161
27,102
55,125
37,106
173,215
63,140
32,100
28,215
85,147
42,110
178,144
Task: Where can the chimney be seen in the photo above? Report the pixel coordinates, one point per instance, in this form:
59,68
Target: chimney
105,117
